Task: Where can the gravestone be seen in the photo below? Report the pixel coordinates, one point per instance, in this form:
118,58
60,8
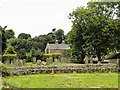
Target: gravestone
65,60
68,60
86,60
59,59
62,59
7,62
39,62
49,61
16,62
43,62
34,60
24,61
55,61
12,64
91,60
20,63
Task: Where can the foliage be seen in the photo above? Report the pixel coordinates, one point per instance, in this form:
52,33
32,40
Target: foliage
10,50
60,35
2,39
9,34
34,53
94,30
4,69
56,55
24,36
27,47
31,64
3,66
47,56
9,53
53,55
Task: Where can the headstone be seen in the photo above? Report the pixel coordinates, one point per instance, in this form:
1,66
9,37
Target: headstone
7,62
86,60
68,60
16,62
34,60
91,60
63,60
39,62
59,59
20,63
24,61
49,61
12,64
56,61
43,62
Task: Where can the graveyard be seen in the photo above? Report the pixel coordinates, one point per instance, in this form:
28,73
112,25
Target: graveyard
59,74
86,56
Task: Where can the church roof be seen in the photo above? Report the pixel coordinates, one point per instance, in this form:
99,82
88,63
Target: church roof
59,46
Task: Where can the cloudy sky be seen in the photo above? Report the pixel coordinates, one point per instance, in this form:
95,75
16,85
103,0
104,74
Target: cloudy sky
37,17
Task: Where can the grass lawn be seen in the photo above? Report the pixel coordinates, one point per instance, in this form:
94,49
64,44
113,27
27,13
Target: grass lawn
87,80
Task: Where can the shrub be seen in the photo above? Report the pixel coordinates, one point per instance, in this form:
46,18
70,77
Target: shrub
56,55
9,57
10,50
53,55
9,53
4,69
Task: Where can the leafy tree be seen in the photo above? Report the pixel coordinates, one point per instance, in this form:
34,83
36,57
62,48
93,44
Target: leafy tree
9,34
94,30
60,35
24,36
2,39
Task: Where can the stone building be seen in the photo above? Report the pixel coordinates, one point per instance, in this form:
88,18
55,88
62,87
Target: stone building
56,48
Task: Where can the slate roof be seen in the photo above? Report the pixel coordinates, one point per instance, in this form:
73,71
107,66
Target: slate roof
59,46
114,56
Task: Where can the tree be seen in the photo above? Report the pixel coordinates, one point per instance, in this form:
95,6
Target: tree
60,35
2,39
9,54
10,50
94,30
24,36
9,34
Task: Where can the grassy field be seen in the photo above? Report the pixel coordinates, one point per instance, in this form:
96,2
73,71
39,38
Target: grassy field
108,80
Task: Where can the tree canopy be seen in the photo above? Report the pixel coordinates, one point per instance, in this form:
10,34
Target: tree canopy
95,29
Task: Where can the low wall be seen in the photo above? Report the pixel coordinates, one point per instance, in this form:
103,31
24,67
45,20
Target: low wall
94,68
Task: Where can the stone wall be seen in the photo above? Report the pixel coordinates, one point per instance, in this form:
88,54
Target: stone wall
63,69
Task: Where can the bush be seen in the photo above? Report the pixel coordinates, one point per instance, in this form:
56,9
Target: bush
53,55
56,55
9,54
10,50
9,57
4,69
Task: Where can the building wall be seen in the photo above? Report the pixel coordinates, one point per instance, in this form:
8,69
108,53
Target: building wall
63,52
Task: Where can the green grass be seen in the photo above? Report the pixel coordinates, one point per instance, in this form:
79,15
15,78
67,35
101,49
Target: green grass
101,80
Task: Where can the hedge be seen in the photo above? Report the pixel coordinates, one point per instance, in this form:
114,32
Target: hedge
53,55
9,57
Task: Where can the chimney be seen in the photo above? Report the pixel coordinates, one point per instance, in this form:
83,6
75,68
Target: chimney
56,44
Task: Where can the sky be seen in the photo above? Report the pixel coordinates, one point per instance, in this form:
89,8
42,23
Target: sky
37,17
